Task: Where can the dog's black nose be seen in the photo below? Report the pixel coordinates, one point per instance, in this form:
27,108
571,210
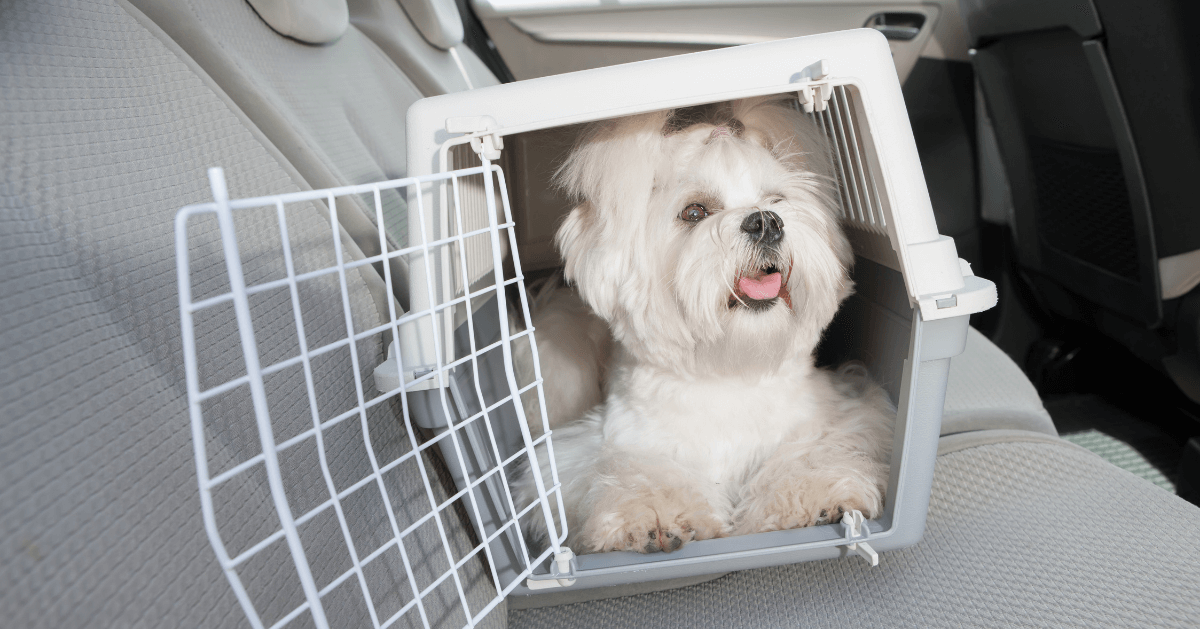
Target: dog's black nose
765,227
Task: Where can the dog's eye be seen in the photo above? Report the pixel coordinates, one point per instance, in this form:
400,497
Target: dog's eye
775,199
693,213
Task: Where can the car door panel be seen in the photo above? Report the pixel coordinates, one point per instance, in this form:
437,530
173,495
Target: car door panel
544,38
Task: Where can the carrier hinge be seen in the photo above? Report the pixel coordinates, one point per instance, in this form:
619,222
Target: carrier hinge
856,536
486,145
816,90
562,567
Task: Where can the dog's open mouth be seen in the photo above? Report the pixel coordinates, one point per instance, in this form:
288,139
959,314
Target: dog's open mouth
760,289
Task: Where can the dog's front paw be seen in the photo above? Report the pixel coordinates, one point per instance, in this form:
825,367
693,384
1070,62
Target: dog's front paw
645,536
807,501
650,526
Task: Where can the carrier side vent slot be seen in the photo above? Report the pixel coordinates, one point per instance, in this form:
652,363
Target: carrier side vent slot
858,191
473,206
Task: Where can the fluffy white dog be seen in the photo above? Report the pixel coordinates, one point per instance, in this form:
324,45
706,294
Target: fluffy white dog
706,238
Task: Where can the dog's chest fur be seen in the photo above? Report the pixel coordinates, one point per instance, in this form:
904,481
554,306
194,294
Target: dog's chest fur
707,425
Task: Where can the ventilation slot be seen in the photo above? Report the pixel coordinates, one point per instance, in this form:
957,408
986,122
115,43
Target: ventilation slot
473,209
858,194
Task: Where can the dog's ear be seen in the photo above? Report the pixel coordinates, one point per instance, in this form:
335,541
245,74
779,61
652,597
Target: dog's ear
588,262
573,237
610,173
613,159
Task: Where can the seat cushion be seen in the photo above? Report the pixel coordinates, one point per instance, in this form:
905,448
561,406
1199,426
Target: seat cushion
1025,532
987,390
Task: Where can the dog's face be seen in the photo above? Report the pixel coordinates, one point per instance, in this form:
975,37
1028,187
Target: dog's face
706,237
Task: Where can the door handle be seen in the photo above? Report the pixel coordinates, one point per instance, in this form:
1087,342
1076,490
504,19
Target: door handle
897,26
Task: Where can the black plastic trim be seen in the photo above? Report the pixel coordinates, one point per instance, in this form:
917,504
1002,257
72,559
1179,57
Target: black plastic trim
987,20
476,38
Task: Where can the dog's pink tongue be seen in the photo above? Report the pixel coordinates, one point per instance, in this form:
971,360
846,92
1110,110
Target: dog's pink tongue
765,287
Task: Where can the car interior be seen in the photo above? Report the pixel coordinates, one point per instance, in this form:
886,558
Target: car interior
1055,137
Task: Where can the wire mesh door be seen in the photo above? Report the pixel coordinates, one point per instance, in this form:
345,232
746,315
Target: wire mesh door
321,487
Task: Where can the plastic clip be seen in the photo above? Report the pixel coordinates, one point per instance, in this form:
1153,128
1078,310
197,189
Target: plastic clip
856,536
486,145
815,93
562,566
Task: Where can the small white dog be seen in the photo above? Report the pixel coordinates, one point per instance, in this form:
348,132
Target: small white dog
707,240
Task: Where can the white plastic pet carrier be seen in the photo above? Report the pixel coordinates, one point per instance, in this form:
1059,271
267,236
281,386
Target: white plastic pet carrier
449,369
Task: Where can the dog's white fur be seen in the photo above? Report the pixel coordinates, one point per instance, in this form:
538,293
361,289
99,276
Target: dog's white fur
716,420
574,351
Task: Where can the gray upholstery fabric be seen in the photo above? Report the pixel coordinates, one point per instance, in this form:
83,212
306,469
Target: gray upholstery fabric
987,390
431,68
438,20
106,131
309,21
335,111
975,438
1019,535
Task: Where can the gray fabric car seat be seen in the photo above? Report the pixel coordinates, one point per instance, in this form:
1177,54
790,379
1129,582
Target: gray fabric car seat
107,129
432,68
1030,531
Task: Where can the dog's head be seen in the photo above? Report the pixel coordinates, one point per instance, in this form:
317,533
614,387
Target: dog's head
706,236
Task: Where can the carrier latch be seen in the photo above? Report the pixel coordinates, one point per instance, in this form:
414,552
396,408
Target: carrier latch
815,93
388,373
856,536
562,566
486,145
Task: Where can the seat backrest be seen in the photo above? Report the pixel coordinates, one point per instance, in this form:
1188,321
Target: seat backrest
1097,131
335,109
108,128
438,63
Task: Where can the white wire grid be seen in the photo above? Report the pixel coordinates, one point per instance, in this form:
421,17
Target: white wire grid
857,191
447,440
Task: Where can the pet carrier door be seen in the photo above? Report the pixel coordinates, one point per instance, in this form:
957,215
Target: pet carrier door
310,466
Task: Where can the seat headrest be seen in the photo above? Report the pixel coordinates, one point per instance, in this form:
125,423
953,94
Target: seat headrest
309,21
438,21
